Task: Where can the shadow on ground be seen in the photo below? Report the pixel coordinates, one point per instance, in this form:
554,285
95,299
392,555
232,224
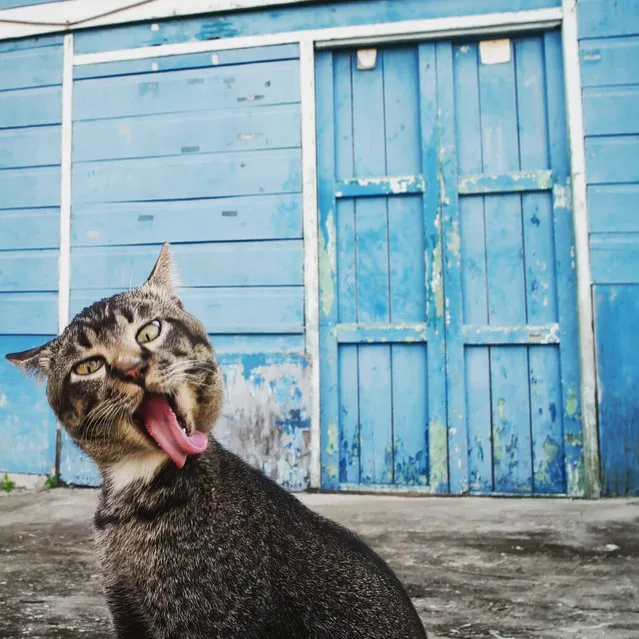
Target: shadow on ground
475,567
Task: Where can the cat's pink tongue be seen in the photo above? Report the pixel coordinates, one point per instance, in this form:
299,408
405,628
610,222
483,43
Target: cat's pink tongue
162,424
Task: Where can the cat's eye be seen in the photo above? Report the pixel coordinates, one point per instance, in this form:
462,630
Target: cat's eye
88,366
149,332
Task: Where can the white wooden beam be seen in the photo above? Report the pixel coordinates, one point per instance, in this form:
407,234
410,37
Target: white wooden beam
574,104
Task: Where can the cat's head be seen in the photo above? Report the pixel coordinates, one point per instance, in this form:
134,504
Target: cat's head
133,375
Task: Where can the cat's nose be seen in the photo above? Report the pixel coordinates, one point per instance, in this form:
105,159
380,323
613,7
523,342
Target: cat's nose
131,368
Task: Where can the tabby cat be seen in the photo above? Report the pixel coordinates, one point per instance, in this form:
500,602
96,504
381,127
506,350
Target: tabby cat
193,543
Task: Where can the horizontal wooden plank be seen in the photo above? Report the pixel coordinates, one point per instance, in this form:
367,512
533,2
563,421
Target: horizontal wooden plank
380,333
22,188
27,68
611,110
262,84
30,43
27,424
12,4
250,344
190,61
187,176
505,183
486,335
315,15
29,270
602,18
28,313
609,61
612,159
30,107
614,258
223,264
266,217
244,129
30,229
614,207
30,147
248,310
376,186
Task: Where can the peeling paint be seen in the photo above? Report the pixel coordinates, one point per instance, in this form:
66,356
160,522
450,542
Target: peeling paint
562,196
438,455
332,445
327,266
571,403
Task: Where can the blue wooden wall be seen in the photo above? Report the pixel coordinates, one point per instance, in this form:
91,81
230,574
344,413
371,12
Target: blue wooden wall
203,150
30,109
609,43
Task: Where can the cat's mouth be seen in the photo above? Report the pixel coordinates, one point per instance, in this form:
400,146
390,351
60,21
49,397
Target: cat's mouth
159,418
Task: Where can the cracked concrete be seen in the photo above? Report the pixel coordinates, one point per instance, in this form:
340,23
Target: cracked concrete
475,567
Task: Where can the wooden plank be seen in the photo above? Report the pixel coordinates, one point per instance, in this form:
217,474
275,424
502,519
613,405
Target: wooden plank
30,43
249,344
485,335
29,270
27,424
268,217
28,68
244,129
11,4
381,333
614,258
349,418
614,207
379,186
573,435
30,188
437,437
30,107
29,229
616,312
410,414
372,259
475,383
611,159
277,263
311,16
247,310
514,182
29,147
190,61
173,178
28,314
375,414
506,283
539,257
451,242
600,18
609,61
329,372
407,269
262,84
611,110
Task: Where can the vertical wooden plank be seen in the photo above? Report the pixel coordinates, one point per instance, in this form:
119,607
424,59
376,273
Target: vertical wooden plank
541,295
449,205
567,280
407,270
506,282
373,304
346,274
474,284
329,395
437,439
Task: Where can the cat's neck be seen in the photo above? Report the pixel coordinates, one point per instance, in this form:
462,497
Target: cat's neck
134,469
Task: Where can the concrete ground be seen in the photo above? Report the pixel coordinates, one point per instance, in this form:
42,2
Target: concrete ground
475,567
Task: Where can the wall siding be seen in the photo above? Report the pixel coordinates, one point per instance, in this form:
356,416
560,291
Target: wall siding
609,44
30,78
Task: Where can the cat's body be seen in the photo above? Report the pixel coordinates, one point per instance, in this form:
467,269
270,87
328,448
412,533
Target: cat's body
192,543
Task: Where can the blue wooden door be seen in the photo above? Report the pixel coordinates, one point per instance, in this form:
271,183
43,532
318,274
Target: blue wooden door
448,311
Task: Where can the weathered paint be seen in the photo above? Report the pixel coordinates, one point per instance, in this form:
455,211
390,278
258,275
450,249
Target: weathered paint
384,333
515,182
377,186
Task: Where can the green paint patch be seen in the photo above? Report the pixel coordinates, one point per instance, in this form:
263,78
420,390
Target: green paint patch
438,455
572,403
332,445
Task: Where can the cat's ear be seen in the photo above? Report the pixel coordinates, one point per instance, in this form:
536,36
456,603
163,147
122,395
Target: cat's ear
164,274
35,361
